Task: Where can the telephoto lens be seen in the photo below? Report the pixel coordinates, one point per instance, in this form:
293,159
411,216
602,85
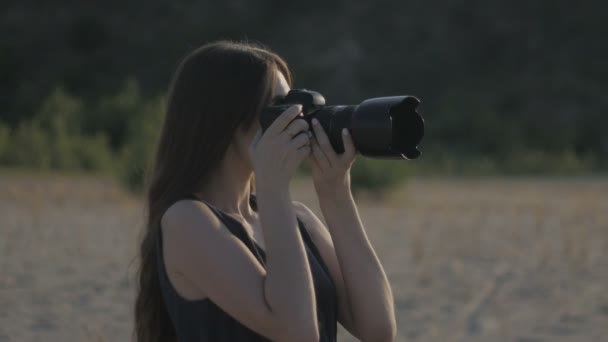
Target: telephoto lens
382,127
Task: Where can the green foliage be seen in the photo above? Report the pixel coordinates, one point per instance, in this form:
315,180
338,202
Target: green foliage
117,135
517,162
51,140
305,169
4,142
493,76
119,132
378,176
506,88
29,147
374,176
113,113
138,152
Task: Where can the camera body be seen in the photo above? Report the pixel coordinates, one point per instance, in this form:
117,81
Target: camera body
384,127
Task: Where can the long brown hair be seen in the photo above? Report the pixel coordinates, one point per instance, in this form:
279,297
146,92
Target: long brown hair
216,89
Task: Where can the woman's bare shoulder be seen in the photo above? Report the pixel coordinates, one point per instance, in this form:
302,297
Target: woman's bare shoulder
186,212
311,221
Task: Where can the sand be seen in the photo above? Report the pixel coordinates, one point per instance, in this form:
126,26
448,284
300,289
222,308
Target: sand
468,260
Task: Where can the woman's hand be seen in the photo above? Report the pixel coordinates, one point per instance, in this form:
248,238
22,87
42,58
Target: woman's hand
278,152
331,171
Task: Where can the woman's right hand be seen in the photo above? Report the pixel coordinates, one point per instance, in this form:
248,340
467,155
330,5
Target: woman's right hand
278,152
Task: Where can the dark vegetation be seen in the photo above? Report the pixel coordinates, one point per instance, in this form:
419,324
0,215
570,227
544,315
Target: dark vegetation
507,87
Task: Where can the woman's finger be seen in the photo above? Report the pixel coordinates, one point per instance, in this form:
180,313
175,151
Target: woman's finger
296,126
318,154
312,158
349,145
300,140
284,119
323,140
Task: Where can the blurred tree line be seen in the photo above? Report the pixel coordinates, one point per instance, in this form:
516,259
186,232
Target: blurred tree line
507,86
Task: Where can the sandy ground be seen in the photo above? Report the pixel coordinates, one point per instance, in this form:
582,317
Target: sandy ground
521,260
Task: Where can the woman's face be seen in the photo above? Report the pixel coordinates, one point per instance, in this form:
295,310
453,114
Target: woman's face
245,138
282,88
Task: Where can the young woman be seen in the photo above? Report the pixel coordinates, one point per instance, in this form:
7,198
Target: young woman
230,257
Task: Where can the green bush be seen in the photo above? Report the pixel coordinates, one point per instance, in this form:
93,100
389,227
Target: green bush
94,153
118,133
4,142
542,162
143,130
378,176
29,147
374,176
113,114
52,139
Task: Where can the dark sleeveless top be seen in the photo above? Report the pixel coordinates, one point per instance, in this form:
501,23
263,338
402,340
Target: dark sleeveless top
202,320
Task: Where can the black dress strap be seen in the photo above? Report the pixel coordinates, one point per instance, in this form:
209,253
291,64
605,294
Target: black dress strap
236,227
203,320
238,230
310,243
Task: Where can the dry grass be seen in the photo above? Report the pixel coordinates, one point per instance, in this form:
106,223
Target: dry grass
468,260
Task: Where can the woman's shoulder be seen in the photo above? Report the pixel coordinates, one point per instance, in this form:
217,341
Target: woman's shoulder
302,211
188,212
312,223
300,207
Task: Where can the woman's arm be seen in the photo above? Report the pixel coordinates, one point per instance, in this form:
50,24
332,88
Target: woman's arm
365,300
368,290
370,299
277,302
288,286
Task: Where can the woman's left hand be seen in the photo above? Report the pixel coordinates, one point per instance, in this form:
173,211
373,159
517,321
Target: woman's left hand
331,171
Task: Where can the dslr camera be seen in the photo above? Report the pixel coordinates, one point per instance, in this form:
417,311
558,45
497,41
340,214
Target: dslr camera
383,127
